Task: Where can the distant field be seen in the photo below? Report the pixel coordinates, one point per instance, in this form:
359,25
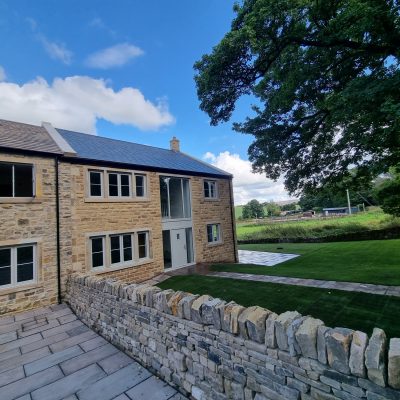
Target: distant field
316,228
239,209
238,212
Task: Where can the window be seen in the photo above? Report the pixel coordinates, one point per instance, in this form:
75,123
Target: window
175,198
96,183
17,265
140,182
210,189
16,180
213,233
119,185
143,244
97,252
121,248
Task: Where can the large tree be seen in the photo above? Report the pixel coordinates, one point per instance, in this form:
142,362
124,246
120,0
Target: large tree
326,80
253,209
388,192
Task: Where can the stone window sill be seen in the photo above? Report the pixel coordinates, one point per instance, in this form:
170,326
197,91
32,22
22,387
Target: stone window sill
105,270
20,200
215,244
117,200
20,288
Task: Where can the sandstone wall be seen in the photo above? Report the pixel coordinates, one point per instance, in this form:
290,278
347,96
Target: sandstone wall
216,350
35,219
27,221
206,211
82,216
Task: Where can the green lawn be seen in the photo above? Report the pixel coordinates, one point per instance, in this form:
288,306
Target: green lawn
316,228
336,308
372,261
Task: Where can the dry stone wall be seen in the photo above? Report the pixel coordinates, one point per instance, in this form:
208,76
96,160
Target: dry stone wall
211,349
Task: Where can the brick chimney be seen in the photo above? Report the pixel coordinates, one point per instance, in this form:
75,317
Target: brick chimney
174,144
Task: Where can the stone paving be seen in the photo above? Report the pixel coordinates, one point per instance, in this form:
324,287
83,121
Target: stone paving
204,269
347,286
263,257
48,354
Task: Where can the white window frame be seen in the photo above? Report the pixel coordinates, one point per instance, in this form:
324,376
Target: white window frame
105,188
13,181
14,266
146,245
144,185
208,182
90,171
104,251
106,246
219,230
119,185
185,210
121,249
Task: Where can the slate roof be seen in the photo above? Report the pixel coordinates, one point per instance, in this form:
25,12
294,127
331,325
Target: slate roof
16,135
99,148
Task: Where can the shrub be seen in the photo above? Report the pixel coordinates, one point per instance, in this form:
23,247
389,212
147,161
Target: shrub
389,197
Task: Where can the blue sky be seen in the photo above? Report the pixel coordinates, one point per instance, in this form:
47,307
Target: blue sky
123,69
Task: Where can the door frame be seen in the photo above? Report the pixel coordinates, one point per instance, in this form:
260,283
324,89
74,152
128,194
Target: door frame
180,224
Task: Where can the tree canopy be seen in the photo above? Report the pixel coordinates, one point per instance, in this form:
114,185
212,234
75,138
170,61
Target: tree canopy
272,209
325,77
389,193
253,209
334,194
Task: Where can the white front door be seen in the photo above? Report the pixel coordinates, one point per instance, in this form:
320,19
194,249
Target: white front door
178,247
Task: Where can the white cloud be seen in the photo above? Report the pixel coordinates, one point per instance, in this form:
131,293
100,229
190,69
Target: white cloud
114,56
56,51
98,23
246,184
2,74
77,102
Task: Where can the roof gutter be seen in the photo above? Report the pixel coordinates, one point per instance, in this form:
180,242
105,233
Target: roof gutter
13,150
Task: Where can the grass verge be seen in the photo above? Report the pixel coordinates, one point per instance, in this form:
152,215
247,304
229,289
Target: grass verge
371,261
360,311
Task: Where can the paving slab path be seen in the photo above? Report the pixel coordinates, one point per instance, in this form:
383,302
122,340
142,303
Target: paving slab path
49,354
204,269
336,285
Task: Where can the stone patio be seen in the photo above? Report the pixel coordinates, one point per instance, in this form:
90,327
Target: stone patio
263,257
48,354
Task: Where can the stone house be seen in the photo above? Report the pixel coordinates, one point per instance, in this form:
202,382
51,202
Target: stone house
72,202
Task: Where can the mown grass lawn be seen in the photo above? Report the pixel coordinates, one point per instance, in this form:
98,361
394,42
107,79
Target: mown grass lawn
316,228
336,308
371,261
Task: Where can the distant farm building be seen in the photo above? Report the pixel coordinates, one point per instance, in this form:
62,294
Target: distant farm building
339,210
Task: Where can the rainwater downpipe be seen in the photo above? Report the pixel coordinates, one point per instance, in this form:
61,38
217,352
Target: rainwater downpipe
233,220
58,232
